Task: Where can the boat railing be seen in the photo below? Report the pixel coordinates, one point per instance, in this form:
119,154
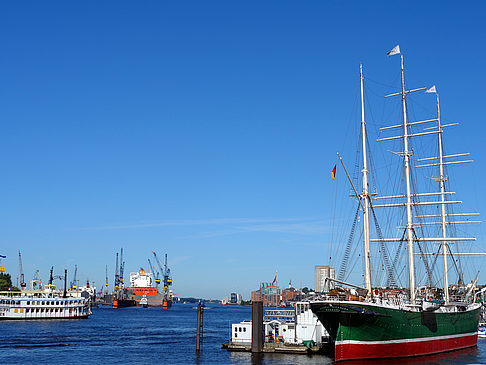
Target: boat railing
281,315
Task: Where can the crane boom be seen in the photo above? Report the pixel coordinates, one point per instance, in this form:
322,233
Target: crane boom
117,276
106,281
155,273
122,267
158,262
21,272
165,271
73,282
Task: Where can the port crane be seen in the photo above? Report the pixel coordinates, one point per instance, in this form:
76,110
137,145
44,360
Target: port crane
21,272
73,282
2,268
117,275
106,282
155,273
118,292
121,278
36,282
52,277
167,281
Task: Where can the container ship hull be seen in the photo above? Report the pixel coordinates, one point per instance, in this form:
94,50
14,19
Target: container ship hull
369,331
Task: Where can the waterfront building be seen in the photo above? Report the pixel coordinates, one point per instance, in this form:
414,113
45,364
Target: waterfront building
321,272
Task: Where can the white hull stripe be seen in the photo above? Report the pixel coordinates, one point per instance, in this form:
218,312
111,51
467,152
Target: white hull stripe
405,340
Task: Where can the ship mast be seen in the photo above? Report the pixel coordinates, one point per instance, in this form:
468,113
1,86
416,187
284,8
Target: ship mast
406,156
444,240
364,195
442,199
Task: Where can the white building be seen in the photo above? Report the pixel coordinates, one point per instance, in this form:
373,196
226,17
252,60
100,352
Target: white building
321,273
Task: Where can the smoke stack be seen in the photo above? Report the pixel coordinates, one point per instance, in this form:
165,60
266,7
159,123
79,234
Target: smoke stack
65,282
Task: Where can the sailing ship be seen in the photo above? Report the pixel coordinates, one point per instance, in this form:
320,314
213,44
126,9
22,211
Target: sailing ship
391,321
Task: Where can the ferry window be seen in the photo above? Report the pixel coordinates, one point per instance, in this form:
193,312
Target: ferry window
236,335
240,329
244,329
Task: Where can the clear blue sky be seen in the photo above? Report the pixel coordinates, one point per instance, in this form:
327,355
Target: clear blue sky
206,129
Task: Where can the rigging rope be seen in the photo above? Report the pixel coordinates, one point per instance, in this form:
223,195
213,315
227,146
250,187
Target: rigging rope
347,251
390,281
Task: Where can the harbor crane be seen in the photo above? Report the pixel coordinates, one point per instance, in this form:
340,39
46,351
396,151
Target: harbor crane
119,271
117,275
21,273
2,268
155,273
73,284
52,277
36,282
122,269
106,281
167,280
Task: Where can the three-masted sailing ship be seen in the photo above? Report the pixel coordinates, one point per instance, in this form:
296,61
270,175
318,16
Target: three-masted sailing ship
389,321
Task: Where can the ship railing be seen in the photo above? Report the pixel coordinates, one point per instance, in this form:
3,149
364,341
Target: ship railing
281,315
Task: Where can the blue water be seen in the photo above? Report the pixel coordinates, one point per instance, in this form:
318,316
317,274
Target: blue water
156,336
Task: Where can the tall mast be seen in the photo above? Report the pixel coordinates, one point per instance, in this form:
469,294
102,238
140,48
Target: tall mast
442,199
406,156
364,194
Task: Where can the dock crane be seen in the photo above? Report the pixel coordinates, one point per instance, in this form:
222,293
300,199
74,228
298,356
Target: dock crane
73,284
119,294
154,273
106,281
36,282
122,268
2,268
21,272
60,277
167,281
117,275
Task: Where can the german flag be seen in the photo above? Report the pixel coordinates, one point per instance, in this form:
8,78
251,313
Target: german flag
333,172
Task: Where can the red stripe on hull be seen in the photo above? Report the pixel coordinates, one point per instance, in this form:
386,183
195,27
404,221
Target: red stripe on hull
403,349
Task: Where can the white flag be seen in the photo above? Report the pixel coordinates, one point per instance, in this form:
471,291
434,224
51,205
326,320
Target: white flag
431,90
394,51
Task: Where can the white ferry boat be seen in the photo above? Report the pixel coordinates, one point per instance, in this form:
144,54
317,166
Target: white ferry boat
37,304
295,326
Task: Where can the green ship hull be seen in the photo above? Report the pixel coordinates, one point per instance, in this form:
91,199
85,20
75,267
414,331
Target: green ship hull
363,330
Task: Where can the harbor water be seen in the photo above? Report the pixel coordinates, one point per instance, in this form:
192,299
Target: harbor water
156,336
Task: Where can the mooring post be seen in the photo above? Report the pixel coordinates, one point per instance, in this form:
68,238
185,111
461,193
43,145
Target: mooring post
257,326
199,326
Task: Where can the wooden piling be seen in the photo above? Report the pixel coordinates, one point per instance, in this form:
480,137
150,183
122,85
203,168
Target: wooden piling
199,327
257,326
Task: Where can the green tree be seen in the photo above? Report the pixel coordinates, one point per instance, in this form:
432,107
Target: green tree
6,282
